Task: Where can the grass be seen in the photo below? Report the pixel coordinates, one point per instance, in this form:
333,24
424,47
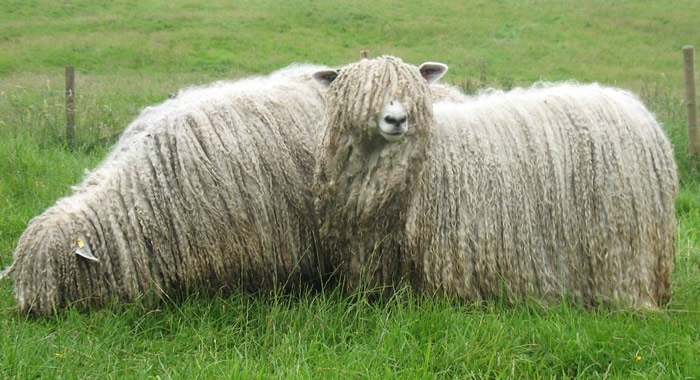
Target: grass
130,54
333,336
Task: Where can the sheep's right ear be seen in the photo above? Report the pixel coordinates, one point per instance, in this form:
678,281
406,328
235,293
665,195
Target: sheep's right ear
325,77
432,71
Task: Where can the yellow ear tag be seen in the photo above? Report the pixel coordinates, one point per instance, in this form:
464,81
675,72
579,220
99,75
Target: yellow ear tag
84,251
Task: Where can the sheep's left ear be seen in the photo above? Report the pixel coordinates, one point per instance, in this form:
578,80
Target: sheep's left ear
325,77
432,71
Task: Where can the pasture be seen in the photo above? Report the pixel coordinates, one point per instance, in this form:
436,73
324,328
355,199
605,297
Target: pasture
129,54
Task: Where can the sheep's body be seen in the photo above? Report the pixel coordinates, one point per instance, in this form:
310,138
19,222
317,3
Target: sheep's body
441,92
204,192
539,193
544,192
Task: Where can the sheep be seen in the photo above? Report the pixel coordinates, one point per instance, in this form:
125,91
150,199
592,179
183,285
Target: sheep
209,191
560,191
441,92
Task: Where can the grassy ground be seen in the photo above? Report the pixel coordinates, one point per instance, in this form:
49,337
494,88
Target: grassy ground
130,54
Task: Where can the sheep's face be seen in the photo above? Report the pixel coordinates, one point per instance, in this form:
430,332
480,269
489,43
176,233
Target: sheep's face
392,122
381,97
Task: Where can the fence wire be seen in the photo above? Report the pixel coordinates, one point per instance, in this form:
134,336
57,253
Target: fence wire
31,88
210,72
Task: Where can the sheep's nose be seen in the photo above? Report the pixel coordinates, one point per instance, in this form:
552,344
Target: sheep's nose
397,122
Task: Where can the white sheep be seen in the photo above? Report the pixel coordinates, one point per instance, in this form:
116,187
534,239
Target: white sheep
541,193
441,92
208,191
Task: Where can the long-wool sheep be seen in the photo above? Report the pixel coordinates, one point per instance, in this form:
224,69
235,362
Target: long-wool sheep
441,92
208,191
554,191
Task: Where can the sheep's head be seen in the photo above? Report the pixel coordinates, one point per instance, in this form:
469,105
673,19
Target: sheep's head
380,97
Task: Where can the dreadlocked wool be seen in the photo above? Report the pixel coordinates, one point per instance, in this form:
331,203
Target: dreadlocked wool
555,191
441,92
208,191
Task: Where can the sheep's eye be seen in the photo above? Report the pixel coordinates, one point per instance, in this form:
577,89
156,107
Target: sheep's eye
403,120
388,119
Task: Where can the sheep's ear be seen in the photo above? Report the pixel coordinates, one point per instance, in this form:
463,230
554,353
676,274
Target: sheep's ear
325,77
432,71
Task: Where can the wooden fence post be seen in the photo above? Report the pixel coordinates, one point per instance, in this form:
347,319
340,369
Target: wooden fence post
70,105
691,106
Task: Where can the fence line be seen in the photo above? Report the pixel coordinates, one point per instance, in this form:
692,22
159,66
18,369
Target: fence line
22,104
119,73
200,70
56,100
691,105
70,105
30,88
62,92
689,69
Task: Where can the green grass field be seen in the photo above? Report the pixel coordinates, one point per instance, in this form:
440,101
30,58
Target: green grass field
130,54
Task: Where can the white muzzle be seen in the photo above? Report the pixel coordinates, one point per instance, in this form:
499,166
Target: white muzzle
393,121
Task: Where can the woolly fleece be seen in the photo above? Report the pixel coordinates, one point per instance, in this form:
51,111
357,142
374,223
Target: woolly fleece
557,190
205,192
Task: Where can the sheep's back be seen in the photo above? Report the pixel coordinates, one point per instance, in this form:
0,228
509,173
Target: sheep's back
441,92
547,191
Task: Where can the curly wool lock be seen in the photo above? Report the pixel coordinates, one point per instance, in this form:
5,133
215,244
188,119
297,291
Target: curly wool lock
441,92
208,191
536,193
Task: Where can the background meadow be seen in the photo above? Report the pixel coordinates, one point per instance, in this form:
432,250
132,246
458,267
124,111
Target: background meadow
129,54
